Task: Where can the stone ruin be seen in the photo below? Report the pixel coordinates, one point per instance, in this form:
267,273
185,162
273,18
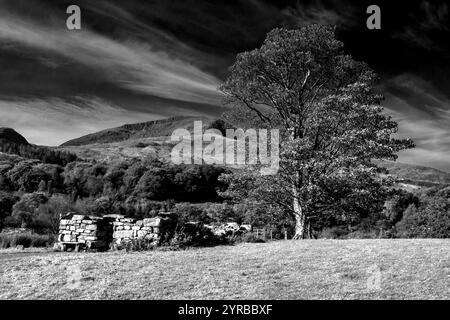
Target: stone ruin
79,232
151,229
82,232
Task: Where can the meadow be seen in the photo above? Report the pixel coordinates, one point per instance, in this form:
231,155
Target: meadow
309,269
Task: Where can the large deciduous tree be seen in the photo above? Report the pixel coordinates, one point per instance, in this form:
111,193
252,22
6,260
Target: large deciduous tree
331,121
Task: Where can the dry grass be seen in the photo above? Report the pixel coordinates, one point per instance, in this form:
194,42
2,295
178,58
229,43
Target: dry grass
317,269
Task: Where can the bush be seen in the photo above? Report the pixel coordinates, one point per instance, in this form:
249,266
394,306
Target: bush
194,235
26,240
430,220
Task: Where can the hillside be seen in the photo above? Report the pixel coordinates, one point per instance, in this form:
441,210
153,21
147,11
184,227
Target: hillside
152,139
418,175
13,143
8,135
149,129
139,140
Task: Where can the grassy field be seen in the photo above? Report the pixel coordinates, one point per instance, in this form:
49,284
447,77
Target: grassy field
316,269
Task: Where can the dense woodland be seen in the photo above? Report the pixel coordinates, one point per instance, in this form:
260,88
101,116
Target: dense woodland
44,154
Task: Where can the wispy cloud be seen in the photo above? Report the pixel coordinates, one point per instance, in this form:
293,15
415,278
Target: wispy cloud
433,18
423,114
341,14
129,63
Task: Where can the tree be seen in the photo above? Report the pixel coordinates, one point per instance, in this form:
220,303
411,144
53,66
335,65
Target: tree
7,202
330,119
48,214
27,208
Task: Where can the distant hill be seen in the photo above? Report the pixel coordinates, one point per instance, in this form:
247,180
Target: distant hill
139,140
149,129
416,175
8,135
13,143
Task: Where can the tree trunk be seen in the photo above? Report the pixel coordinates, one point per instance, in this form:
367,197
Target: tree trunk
299,227
301,224
302,229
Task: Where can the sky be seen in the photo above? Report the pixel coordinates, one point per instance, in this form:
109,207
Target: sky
134,61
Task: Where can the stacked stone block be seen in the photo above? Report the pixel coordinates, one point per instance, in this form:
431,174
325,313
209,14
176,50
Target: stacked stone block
85,230
152,229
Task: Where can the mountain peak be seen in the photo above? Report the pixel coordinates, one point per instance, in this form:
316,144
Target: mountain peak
154,128
12,136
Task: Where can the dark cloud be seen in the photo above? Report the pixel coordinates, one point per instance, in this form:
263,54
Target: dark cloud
432,22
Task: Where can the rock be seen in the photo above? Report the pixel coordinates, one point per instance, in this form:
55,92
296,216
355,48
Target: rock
219,232
78,217
141,234
114,216
69,238
58,246
152,222
231,226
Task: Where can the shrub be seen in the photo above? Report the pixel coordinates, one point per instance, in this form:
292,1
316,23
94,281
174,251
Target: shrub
194,235
26,240
186,212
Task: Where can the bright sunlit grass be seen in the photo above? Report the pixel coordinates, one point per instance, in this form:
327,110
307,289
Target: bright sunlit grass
313,269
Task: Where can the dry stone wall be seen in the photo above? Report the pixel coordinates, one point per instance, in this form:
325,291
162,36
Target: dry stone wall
110,231
113,231
92,232
151,229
